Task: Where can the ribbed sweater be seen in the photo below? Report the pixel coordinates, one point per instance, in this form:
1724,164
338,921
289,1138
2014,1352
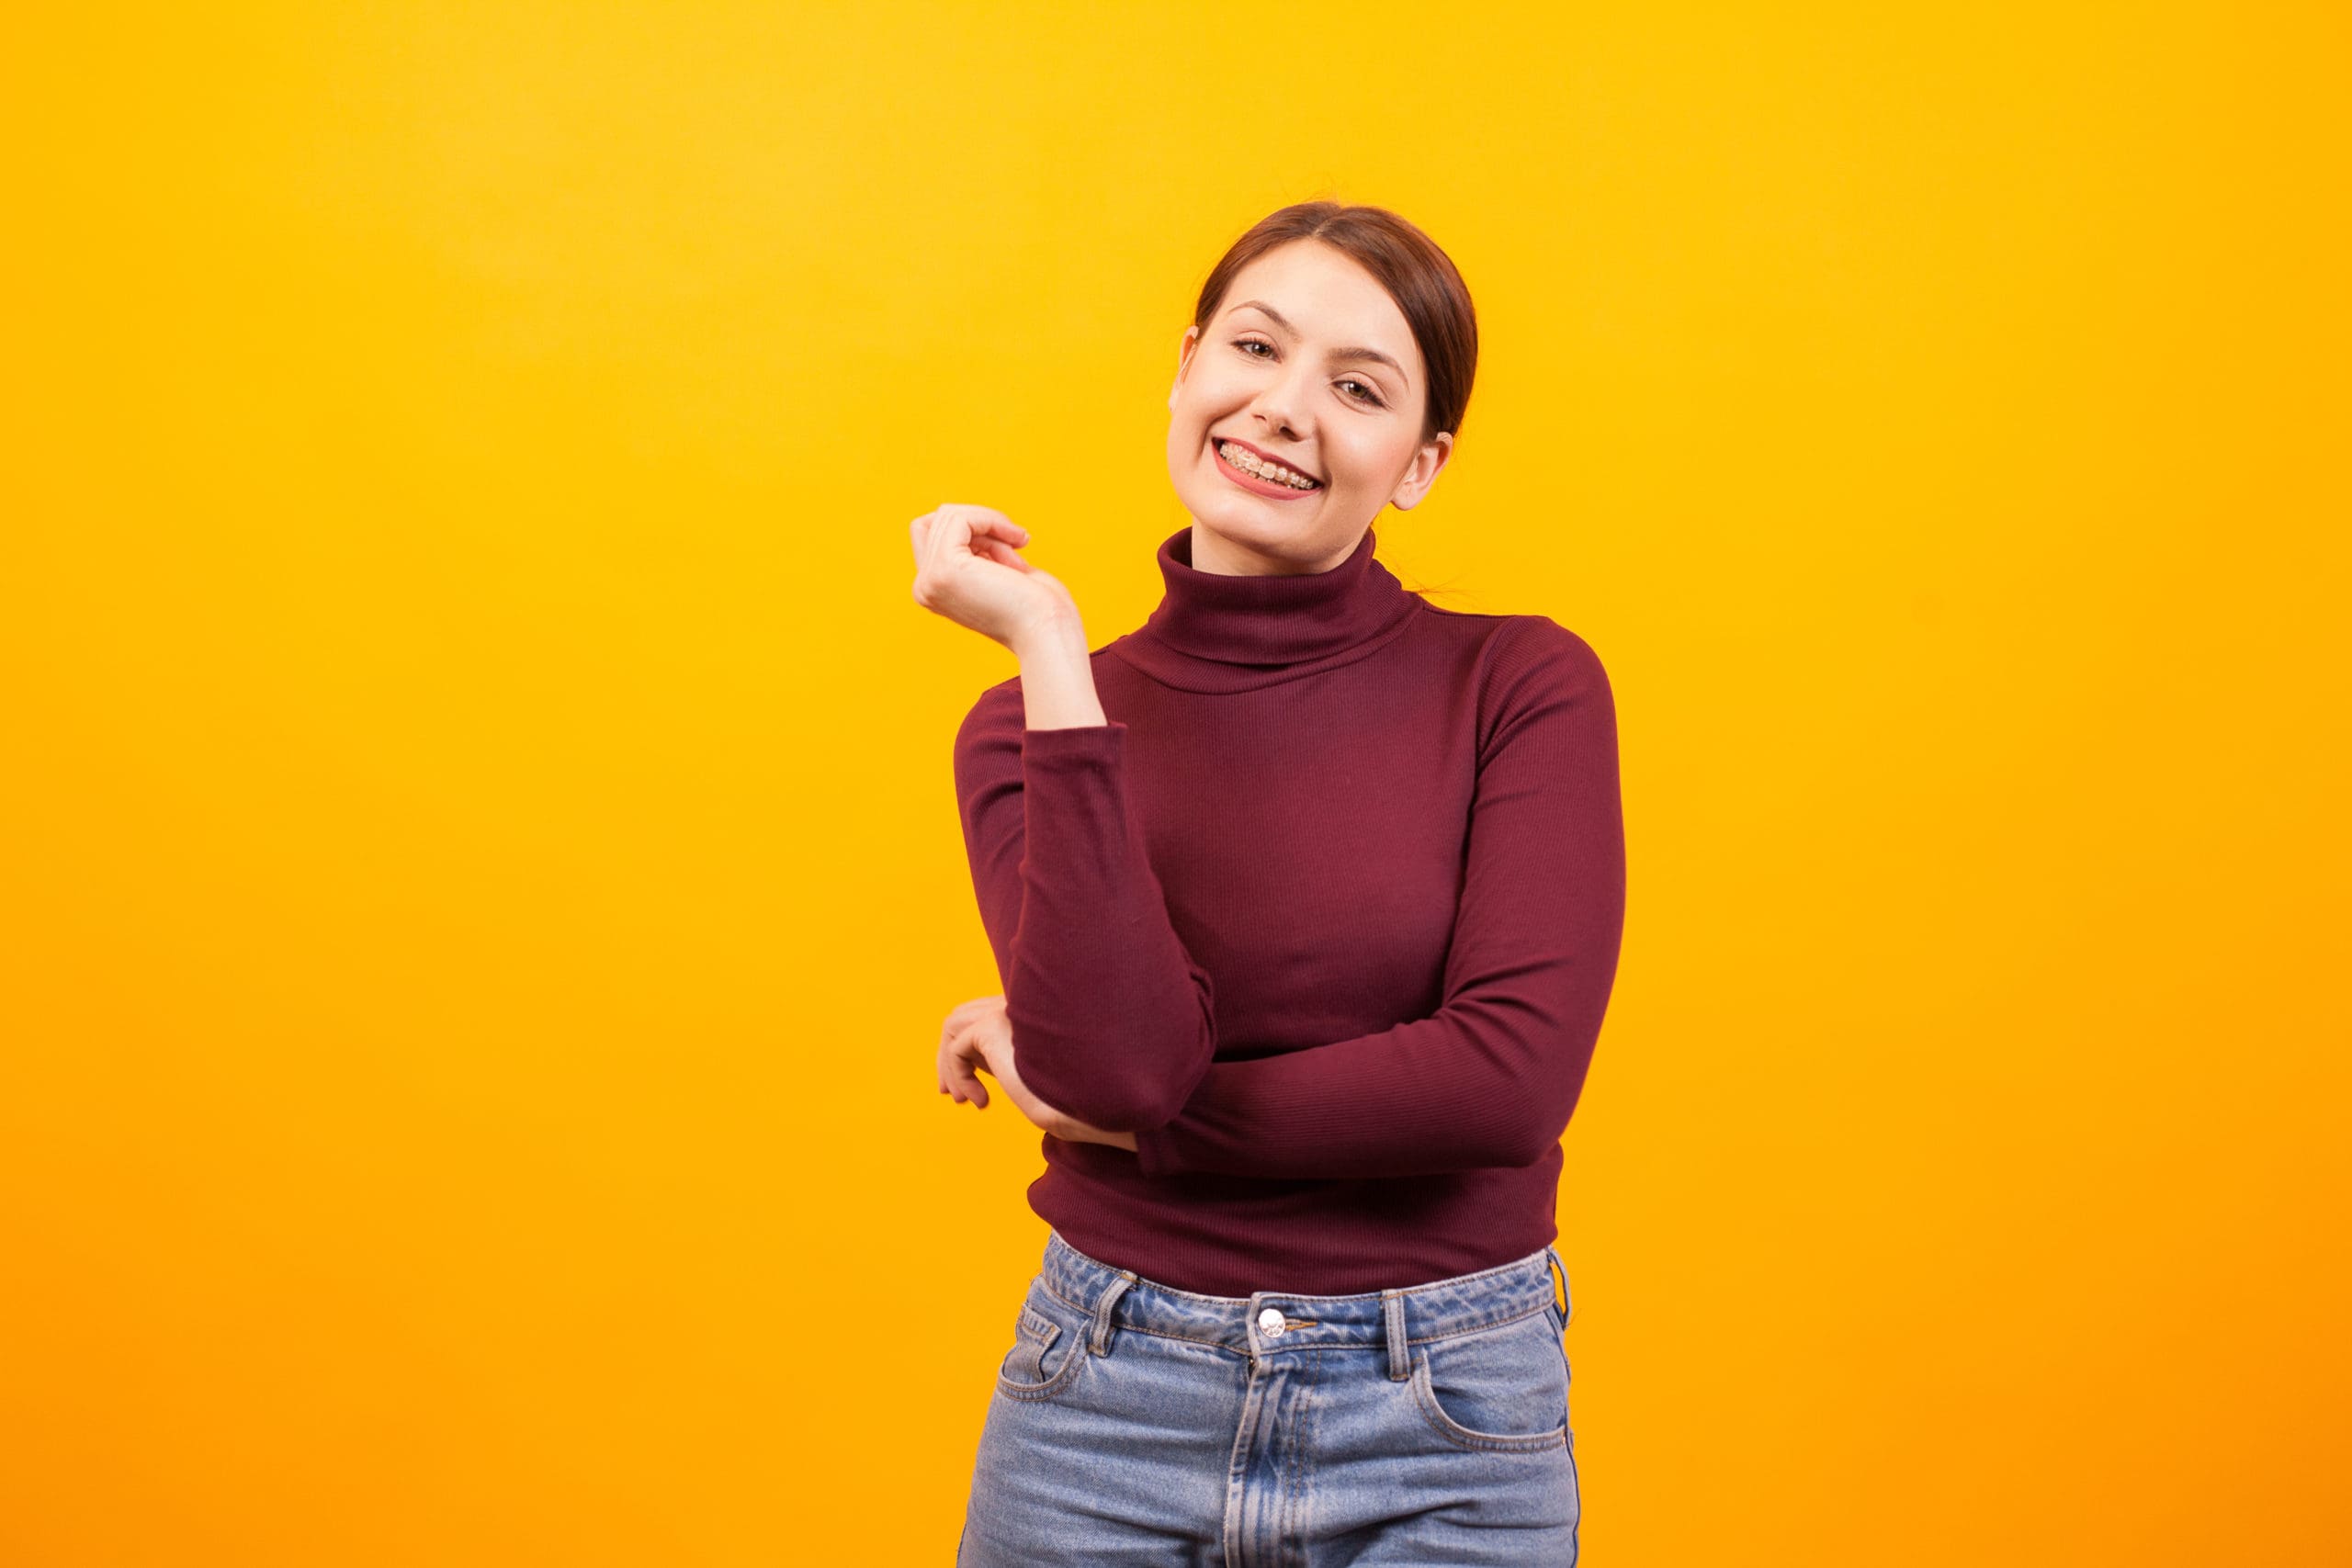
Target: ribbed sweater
1327,914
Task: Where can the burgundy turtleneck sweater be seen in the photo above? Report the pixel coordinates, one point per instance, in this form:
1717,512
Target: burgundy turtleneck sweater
1327,914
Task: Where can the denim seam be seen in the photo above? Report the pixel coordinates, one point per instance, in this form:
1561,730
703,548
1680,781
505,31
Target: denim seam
1575,1490
1073,1358
1307,1471
1297,1457
1454,1432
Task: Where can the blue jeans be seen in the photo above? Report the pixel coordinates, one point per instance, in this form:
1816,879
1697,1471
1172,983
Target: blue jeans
1134,1423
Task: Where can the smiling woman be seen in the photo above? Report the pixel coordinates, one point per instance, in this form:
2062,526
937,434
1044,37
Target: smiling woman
1307,897
1334,345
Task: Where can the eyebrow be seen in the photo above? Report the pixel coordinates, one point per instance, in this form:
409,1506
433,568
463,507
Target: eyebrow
1371,353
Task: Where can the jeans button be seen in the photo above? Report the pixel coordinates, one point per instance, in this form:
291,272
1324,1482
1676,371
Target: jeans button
1269,1321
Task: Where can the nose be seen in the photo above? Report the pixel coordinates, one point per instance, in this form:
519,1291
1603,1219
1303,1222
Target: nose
1278,406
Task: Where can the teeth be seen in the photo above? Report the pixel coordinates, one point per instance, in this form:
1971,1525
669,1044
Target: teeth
1241,458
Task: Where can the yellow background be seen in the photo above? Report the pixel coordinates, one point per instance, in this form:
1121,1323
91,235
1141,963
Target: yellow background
482,875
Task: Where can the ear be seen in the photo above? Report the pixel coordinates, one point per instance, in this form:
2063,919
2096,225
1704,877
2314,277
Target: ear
1183,363
1423,471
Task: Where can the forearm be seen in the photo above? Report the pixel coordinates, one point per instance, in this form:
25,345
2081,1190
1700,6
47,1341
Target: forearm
1114,1021
1058,675
1468,1089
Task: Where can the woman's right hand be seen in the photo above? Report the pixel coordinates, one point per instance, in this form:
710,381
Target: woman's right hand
962,1048
977,1035
968,568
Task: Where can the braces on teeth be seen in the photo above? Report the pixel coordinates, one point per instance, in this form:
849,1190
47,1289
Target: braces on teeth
1240,458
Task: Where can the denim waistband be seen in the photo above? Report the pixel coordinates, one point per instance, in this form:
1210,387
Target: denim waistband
1270,1321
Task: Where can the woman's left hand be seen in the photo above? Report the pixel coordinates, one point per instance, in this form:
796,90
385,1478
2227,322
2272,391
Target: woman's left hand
977,1035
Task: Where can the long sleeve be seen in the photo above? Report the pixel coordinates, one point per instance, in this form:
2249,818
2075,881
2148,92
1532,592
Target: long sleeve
1113,1019
1493,1076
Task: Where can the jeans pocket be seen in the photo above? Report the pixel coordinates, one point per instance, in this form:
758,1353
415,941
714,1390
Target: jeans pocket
1049,1347
1499,1390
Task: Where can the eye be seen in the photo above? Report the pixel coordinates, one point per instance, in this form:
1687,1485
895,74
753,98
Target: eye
1366,395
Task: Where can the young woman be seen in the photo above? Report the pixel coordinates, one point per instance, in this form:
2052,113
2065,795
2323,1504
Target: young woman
1307,897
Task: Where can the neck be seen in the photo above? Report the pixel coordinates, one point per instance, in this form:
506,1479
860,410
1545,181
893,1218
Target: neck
1231,631
1212,552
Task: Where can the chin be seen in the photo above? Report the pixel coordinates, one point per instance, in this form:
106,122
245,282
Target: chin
1243,524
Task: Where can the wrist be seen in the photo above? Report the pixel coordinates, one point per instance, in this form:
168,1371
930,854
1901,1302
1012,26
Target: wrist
1070,1130
1052,634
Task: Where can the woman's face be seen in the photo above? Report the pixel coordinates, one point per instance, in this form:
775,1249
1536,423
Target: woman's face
1310,363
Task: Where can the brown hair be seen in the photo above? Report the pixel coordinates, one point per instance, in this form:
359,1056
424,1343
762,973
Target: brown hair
1419,276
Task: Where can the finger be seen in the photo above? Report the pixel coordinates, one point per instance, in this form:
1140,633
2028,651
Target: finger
948,1067
984,521
953,1071
948,532
1005,555
1002,528
965,1058
924,531
959,1075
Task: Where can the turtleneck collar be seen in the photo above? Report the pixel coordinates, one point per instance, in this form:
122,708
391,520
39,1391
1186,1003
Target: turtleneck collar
1220,632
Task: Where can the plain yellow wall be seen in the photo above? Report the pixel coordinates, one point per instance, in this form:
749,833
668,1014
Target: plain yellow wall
480,869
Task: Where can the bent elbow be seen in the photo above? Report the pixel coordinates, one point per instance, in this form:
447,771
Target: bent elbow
1068,1079
1190,1056
1119,1071
1155,1105
1534,1132
1150,1115
1115,1112
1525,1145
1115,1097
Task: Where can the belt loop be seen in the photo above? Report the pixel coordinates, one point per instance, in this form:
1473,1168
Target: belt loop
1392,1307
1565,1304
1099,1340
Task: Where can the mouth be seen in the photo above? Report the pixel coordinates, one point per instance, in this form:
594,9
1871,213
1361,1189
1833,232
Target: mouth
1260,476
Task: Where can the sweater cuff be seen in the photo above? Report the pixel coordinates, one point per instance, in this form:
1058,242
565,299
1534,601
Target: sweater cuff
1073,739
